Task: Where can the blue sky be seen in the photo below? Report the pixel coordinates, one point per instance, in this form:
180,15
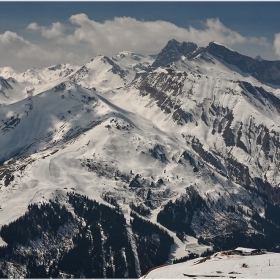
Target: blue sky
43,33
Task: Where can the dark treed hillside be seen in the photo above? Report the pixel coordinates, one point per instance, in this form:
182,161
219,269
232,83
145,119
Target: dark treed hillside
93,242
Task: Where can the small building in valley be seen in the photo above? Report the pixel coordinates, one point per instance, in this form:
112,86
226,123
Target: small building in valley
248,251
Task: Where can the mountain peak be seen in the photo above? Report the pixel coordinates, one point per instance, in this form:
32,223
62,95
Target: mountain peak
173,51
217,47
259,58
172,42
221,45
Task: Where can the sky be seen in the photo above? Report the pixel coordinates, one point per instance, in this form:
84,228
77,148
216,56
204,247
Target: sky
40,34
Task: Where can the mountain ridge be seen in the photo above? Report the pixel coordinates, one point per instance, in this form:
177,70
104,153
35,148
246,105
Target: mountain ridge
263,70
183,147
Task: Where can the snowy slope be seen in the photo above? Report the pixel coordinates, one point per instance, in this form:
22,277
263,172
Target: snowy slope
34,81
209,107
221,265
11,91
101,73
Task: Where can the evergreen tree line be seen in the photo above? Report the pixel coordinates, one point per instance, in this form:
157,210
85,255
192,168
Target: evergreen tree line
140,209
266,234
104,236
101,241
153,243
46,218
101,246
190,256
39,219
111,200
177,216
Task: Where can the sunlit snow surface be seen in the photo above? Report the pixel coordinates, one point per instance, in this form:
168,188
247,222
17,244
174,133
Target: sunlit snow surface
222,266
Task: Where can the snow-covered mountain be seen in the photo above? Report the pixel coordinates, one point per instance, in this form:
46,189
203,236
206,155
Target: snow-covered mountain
101,73
183,149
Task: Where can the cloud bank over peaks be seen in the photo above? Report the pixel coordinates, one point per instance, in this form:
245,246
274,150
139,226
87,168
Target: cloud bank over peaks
147,37
21,54
82,38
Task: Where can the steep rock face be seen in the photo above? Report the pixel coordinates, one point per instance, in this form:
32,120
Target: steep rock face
263,70
173,51
202,101
163,87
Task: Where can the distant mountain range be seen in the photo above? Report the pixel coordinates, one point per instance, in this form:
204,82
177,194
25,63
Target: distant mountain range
129,162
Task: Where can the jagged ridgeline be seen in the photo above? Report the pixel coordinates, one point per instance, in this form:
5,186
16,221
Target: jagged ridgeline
91,240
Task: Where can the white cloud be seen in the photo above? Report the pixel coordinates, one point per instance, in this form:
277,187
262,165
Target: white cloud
84,38
55,30
216,31
128,33
277,44
9,37
118,34
12,43
262,41
33,26
21,54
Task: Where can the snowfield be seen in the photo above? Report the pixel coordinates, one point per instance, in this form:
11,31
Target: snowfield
221,265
